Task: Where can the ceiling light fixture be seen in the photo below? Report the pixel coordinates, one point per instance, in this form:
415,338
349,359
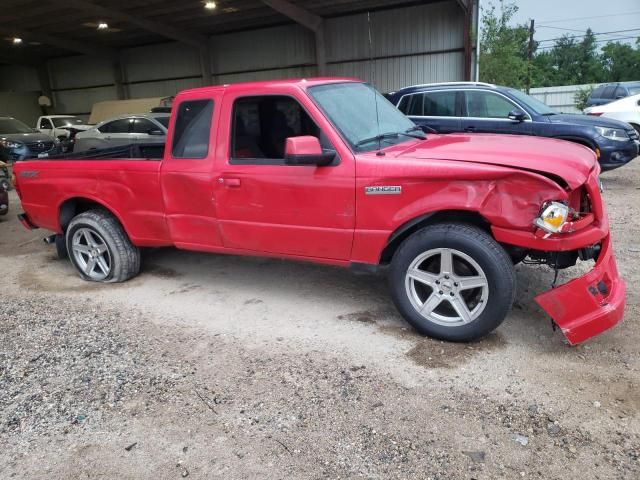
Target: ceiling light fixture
103,25
210,5
16,41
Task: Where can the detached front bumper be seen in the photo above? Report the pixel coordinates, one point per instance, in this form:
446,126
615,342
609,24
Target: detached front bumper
591,304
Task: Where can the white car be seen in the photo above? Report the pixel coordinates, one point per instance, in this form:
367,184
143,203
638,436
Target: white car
61,126
145,128
626,109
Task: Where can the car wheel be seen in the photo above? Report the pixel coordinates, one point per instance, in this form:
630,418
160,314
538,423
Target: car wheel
637,127
5,184
100,249
452,282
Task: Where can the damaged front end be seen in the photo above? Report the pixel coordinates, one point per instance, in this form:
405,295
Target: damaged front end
593,303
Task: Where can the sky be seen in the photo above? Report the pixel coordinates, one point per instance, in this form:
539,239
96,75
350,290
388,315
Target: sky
606,16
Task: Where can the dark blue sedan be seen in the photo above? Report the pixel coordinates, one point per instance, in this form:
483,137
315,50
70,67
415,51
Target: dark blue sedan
486,108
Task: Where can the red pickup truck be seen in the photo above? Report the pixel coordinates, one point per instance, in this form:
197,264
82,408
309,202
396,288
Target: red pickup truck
328,171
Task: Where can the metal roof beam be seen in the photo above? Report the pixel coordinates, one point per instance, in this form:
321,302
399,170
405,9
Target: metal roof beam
54,41
299,15
307,19
158,28
464,4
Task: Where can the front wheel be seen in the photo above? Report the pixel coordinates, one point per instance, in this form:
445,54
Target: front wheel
100,249
453,282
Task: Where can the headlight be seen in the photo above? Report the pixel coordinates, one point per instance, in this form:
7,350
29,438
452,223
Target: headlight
553,217
616,134
10,144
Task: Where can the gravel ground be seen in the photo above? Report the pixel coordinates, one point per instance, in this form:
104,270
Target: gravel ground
210,366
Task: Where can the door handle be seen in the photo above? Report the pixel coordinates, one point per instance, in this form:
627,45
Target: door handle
230,182
470,129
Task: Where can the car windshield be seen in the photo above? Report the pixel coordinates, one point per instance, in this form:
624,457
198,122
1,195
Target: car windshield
164,121
11,125
534,104
67,121
351,107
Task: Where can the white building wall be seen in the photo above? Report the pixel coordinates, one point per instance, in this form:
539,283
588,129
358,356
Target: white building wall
410,45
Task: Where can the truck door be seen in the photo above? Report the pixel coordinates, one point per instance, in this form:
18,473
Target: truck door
186,174
45,126
265,205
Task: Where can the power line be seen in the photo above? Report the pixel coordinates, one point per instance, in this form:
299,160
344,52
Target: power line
589,18
569,29
593,33
551,47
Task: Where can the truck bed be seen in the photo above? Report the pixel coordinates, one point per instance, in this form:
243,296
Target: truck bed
133,151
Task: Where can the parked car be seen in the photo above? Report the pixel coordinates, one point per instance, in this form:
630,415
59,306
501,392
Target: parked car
4,199
610,92
486,108
626,110
142,128
305,169
5,181
18,141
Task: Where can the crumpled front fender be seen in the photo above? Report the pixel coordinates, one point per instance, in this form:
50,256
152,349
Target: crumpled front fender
591,304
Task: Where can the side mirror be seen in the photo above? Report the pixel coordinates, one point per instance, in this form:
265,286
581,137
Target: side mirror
517,115
306,150
155,132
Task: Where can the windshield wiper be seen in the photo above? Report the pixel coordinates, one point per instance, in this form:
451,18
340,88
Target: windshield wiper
390,135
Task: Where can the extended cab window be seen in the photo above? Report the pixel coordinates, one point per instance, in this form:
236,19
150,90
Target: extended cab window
192,129
487,105
261,126
45,123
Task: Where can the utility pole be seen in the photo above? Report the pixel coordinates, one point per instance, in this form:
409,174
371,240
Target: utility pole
532,30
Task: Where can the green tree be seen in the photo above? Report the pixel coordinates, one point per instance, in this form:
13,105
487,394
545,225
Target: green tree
621,62
503,48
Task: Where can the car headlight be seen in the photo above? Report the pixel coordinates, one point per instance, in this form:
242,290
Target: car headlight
554,215
617,134
10,144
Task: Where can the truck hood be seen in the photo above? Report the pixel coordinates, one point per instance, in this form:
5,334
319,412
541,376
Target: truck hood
557,158
26,137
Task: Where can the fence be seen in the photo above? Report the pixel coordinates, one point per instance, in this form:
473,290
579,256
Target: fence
559,98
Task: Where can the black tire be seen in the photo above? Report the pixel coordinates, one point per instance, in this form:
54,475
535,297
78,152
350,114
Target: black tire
61,247
5,184
123,255
636,127
497,267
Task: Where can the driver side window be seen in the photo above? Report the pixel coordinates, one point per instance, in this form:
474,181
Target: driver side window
487,105
45,124
261,126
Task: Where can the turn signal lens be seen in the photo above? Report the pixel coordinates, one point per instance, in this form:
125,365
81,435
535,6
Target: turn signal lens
553,217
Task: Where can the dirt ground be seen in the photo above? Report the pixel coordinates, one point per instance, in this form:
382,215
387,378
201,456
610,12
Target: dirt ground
208,366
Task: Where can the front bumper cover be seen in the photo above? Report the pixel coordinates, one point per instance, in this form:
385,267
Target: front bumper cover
591,304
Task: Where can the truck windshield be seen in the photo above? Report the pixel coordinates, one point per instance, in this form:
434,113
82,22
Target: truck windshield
67,121
11,125
351,107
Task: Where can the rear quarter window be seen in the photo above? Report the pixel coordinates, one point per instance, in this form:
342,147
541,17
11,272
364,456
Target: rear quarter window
192,129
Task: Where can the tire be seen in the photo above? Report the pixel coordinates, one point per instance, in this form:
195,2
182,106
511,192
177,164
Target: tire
636,127
100,249
5,184
61,247
461,303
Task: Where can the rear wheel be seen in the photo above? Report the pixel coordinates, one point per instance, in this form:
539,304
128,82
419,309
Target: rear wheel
452,282
100,249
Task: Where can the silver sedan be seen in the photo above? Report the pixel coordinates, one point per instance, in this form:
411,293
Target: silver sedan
124,130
